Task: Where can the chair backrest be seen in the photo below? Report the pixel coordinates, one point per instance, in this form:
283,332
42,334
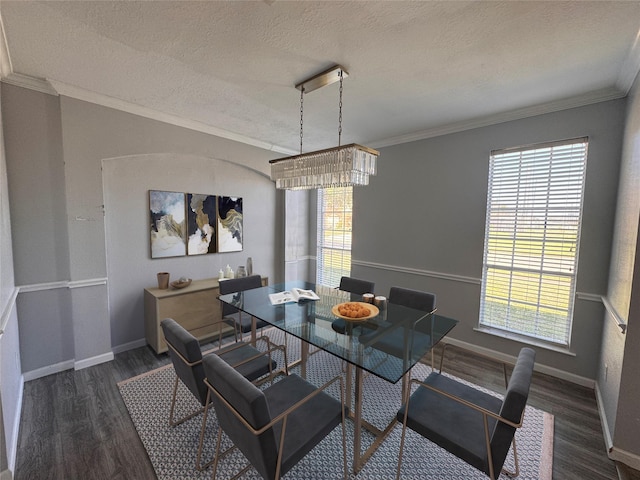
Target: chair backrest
188,364
412,298
355,285
252,405
515,400
234,285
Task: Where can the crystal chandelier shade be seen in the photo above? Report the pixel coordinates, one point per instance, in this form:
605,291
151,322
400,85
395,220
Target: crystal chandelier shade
340,166
334,167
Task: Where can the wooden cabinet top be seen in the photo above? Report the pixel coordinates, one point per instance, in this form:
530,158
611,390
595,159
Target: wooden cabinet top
196,286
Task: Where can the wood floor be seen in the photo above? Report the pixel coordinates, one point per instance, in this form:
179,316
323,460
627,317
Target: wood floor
75,426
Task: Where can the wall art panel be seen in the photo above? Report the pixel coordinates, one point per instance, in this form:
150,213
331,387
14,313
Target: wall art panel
229,224
167,224
201,224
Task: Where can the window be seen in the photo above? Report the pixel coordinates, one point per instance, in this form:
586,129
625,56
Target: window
334,234
532,234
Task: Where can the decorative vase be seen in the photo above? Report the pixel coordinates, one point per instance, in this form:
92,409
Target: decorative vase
163,280
249,266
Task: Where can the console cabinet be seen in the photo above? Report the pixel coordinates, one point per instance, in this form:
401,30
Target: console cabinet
195,307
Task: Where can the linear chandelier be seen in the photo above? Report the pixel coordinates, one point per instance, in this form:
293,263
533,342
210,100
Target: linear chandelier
340,166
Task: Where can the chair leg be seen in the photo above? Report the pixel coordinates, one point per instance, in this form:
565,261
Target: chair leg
172,421
515,461
199,464
344,433
173,400
404,431
216,455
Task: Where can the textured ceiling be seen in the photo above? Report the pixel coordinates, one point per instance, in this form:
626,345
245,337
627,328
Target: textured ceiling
416,68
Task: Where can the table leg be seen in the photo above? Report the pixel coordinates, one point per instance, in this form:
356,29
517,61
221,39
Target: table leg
254,327
304,355
357,432
349,379
360,458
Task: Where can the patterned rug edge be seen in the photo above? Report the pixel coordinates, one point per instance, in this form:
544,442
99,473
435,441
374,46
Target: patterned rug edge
546,456
143,375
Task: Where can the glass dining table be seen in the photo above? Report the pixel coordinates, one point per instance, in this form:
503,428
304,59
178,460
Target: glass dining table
399,335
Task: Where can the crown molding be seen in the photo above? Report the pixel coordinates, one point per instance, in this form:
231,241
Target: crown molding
122,105
5,59
54,87
550,107
32,83
630,67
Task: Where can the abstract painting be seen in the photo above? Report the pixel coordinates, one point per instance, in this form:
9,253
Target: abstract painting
229,224
201,224
167,215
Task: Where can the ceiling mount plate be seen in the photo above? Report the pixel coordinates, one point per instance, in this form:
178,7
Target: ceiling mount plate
322,79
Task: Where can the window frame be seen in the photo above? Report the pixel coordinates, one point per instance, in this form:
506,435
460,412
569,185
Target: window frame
551,229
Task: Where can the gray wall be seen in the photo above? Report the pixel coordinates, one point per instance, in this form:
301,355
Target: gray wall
420,223
126,184
55,152
618,379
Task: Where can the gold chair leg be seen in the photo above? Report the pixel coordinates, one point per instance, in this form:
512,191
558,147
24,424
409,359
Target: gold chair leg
199,465
404,430
172,421
515,461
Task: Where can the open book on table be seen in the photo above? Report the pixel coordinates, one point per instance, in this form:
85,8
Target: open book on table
293,295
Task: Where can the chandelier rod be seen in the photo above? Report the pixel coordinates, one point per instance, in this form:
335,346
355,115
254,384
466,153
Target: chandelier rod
301,116
340,114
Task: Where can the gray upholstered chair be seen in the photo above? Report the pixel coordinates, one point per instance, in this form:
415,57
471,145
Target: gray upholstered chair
186,356
240,321
393,343
475,426
276,427
357,287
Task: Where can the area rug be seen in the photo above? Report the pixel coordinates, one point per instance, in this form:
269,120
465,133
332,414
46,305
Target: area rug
172,450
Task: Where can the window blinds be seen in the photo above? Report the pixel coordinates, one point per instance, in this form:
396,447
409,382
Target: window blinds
532,234
334,234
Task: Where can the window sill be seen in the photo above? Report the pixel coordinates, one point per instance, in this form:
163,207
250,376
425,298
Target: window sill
524,339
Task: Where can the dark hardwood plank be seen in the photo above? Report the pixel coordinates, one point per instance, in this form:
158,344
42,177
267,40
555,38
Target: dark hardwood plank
75,425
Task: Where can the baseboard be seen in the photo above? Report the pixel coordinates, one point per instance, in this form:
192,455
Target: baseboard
501,357
630,459
90,362
12,452
129,346
48,370
608,441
